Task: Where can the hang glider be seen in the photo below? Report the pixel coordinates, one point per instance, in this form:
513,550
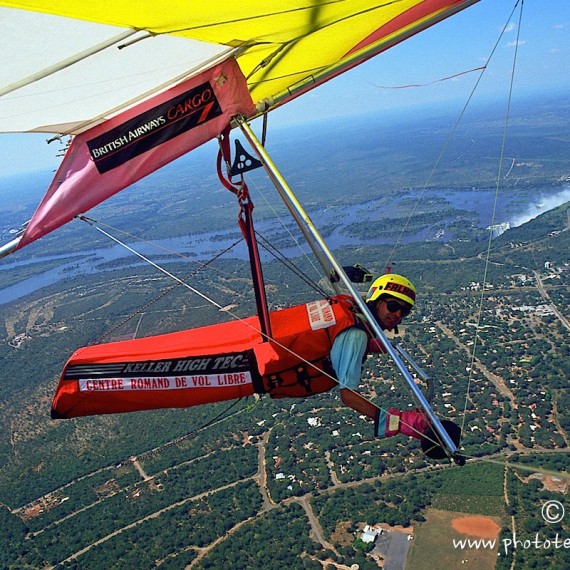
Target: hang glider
162,79
117,85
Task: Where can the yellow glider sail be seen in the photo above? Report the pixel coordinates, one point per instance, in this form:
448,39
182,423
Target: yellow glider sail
283,47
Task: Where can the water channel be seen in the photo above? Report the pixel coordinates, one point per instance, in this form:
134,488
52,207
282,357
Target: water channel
206,245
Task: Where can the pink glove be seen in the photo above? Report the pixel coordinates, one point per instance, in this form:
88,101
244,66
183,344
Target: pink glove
412,423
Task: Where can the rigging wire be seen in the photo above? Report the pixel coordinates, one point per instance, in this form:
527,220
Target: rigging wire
439,158
391,255
275,213
476,338
276,253
221,416
506,463
497,184
515,465
167,291
154,244
412,85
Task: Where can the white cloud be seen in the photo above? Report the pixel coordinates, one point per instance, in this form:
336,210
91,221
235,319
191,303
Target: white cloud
515,43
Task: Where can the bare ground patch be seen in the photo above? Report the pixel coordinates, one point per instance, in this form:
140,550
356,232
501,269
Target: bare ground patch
476,525
341,535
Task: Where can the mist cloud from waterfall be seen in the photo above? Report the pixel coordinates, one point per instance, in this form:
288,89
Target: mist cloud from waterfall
541,205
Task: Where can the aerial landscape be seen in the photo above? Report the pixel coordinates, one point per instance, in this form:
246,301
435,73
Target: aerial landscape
214,485
474,211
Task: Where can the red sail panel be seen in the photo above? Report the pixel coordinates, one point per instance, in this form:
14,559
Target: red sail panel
113,155
412,20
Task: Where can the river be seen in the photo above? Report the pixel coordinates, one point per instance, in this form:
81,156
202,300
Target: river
512,208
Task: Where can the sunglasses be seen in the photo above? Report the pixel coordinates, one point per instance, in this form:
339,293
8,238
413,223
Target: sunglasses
394,307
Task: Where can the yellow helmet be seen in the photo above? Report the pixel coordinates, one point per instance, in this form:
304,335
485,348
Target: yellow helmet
394,285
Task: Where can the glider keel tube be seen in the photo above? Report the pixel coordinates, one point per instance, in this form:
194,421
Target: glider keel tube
292,203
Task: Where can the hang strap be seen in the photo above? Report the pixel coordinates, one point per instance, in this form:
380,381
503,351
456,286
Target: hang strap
245,223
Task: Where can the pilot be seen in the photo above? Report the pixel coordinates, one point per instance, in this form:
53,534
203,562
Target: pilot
390,299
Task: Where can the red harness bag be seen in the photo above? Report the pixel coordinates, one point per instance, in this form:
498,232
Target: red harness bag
204,365
297,364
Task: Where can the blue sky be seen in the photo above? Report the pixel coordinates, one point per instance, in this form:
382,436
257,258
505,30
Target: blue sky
461,43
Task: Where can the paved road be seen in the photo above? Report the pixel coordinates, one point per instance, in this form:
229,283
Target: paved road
393,547
544,294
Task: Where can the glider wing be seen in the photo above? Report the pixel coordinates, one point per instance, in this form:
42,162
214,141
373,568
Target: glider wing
134,109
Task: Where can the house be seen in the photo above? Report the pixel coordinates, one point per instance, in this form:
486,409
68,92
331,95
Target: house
370,533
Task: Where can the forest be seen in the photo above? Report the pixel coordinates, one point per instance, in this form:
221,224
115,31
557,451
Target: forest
81,485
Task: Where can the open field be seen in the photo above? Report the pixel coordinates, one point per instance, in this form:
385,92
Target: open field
433,545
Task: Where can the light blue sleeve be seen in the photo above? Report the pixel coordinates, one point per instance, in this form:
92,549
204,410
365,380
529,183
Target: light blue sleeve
346,355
